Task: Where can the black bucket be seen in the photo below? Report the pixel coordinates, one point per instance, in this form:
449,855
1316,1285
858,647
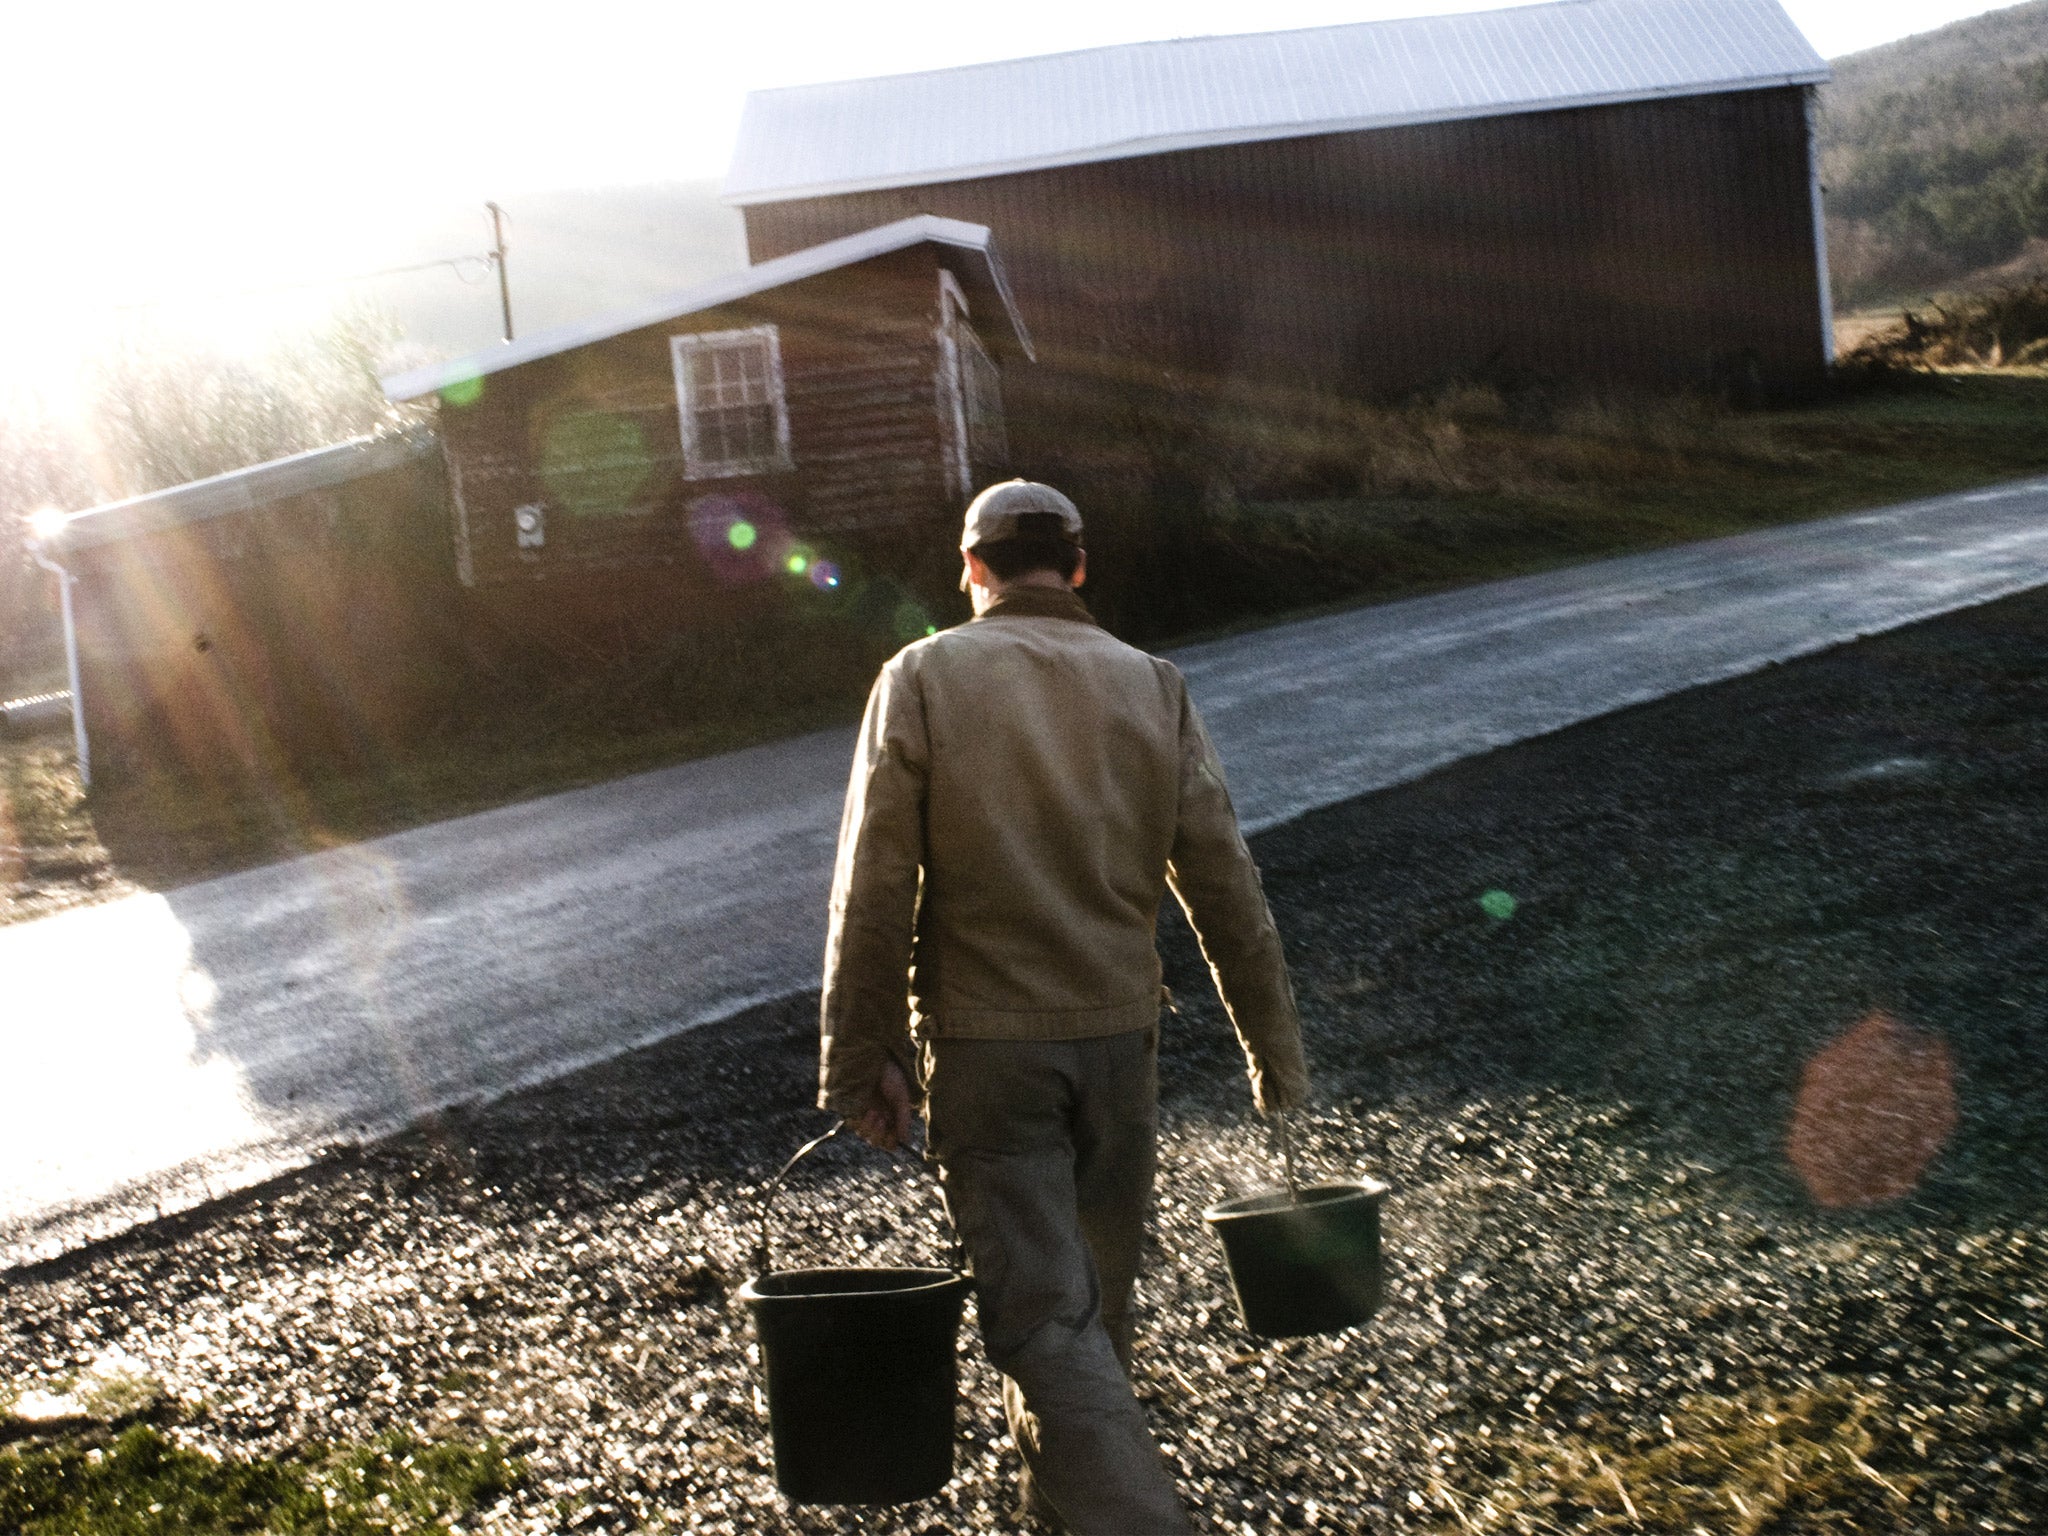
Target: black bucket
1306,1261
861,1374
861,1380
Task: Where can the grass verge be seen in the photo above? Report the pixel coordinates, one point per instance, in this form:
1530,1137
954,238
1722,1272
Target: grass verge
51,855
1473,487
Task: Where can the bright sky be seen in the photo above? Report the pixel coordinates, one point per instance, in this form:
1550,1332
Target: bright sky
173,148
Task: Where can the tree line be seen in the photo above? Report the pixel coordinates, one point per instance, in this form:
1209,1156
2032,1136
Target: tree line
156,410
1934,181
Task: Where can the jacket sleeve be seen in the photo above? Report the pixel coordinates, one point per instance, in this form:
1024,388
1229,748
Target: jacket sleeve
1217,884
865,1008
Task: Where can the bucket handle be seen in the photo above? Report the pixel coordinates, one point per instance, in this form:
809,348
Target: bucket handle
763,1258
1286,1141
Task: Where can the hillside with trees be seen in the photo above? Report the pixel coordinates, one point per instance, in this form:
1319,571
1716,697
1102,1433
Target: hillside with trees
1934,153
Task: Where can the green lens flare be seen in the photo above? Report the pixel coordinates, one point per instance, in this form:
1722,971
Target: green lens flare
464,391
741,535
910,621
595,463
1498,905
797,565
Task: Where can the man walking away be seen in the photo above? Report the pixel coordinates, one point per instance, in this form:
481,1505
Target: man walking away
1024,790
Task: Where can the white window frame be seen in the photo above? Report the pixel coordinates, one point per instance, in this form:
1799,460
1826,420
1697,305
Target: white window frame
973,359
695,465
956,381
952,386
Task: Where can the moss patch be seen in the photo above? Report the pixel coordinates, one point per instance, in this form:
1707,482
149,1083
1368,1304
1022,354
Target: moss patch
139,1482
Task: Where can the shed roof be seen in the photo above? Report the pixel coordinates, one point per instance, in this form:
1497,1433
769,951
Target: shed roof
242,490
1144,98
980,271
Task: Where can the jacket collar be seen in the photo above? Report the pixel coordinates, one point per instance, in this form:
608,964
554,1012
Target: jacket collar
1039,603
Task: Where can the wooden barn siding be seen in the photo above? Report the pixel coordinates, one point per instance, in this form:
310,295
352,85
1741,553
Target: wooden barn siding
313,630
859,352
1637,244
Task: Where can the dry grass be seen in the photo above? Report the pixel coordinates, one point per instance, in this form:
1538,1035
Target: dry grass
1474,440
51,855
1741,1465
1338,505
2004,327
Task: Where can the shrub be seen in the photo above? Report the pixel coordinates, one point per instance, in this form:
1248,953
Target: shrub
157,410
163,410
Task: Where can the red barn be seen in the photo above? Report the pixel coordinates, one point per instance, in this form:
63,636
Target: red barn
1617,192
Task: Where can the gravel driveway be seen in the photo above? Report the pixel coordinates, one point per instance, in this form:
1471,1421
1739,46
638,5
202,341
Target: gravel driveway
1616,1301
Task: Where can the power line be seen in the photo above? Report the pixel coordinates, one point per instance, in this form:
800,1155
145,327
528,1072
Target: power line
455,263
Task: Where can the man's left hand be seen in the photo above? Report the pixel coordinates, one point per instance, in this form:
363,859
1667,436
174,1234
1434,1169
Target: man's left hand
886,1125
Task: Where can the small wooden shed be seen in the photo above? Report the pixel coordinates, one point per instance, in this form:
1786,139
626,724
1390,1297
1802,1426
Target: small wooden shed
659,468
294,613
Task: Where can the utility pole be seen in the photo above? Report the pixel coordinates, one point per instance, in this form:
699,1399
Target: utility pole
498,261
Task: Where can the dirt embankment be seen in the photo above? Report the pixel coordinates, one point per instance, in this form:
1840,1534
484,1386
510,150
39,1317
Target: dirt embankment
1617,1013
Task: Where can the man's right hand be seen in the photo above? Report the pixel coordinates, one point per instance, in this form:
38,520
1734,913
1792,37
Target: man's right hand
886,1124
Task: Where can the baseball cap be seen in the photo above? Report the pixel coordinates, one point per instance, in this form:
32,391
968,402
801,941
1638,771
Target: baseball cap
996,513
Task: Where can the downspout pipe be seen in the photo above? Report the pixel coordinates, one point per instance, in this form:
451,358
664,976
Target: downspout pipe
65,582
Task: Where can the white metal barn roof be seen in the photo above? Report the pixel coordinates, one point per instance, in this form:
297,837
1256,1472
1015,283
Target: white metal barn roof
1142,98
901,235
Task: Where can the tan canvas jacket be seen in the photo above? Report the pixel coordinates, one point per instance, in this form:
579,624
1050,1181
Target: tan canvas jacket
1024,789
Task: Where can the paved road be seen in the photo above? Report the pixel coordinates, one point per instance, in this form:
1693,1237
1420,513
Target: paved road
164,1047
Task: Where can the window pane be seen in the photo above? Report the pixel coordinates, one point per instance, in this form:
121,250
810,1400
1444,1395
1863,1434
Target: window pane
760,429
732,404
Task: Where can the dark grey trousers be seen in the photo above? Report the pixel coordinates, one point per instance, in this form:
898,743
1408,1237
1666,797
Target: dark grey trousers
1047,1149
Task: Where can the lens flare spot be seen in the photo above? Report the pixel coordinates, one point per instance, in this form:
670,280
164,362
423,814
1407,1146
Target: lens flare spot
910,620
1875,1105
463,391
46,524
797,564
743,535
931,629
1498,905
595,462
825,576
